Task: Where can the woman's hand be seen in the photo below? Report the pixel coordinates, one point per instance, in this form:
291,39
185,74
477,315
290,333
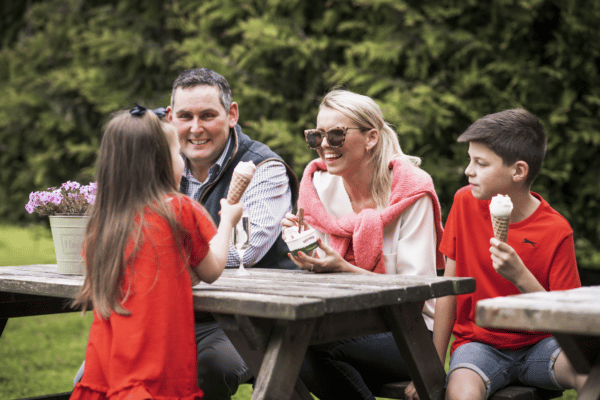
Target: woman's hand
332,262
292,220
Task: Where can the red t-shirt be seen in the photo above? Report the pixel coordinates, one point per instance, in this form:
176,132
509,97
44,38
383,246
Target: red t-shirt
152,352
544,241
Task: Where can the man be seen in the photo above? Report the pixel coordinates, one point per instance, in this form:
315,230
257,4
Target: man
212,144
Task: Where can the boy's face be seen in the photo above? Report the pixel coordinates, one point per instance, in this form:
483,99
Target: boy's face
487,173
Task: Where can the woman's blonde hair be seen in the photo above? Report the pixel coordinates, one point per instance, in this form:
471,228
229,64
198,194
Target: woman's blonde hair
367,114
134,173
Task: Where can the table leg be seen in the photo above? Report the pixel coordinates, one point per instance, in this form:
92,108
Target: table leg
275,363
417,349
3,322
591,389
283,357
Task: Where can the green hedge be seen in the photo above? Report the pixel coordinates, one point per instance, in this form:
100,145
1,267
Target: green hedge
433,66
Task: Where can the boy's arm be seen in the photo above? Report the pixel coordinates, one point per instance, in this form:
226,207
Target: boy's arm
445,315
443,320
509,265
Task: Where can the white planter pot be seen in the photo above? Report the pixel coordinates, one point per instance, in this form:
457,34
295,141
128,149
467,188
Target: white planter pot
68,232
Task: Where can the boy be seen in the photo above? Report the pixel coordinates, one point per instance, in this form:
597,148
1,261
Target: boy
506,150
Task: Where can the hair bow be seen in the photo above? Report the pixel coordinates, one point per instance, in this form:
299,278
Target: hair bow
138,111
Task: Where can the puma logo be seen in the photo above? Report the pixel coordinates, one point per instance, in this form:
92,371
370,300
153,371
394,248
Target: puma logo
529,241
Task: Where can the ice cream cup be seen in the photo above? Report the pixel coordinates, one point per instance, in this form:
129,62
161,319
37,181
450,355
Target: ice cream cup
306,242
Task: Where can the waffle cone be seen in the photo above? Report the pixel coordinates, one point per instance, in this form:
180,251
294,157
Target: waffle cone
500,225
237,187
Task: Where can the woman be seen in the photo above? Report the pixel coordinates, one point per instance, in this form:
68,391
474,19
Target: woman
375,211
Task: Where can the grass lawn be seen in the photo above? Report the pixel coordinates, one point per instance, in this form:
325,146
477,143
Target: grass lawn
40,355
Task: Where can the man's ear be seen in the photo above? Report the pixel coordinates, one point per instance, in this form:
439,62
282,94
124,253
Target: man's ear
234,114
521,171
169,115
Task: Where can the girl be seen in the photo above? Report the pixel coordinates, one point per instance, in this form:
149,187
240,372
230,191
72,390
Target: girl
142,241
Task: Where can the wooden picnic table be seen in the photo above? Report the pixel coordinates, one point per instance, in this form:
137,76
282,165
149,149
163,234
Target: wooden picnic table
572,316
272,316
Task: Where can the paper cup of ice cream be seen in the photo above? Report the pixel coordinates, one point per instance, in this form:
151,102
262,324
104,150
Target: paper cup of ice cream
305,241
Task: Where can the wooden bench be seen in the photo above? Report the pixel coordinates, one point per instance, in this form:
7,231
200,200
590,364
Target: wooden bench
396,391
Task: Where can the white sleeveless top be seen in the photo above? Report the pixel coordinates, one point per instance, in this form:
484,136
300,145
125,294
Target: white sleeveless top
408,243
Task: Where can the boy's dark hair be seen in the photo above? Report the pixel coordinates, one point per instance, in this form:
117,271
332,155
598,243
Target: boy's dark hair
515,135
203,77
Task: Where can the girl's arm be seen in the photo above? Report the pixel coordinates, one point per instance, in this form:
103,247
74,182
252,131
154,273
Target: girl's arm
212,266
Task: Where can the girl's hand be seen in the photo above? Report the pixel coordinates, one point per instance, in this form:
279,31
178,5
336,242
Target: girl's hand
231,213
332,262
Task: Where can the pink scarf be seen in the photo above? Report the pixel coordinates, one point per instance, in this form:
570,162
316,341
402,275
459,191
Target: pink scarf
365,229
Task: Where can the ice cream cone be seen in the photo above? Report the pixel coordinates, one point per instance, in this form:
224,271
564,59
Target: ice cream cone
237,187
500,225
242,175
500,208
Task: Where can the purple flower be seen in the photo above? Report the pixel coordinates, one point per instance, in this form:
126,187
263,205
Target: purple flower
70,185
70,198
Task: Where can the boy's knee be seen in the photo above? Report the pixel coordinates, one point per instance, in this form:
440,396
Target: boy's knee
465,384
565,374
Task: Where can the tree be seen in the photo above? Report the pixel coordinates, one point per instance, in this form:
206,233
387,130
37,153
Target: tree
433,66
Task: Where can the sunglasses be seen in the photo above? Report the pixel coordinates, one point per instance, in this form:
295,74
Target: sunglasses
335,137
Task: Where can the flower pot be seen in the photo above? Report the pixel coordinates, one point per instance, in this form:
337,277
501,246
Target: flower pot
68,232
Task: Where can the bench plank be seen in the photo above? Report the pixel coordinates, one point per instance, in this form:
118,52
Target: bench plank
396,391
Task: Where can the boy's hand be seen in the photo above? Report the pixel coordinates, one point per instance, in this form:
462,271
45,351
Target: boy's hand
509,265
410,392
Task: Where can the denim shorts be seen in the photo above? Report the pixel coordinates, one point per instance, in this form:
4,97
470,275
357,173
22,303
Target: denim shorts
530,366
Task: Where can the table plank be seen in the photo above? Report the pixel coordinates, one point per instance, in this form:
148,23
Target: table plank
265,293
575,311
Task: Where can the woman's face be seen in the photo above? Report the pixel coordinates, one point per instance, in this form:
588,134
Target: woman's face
353,155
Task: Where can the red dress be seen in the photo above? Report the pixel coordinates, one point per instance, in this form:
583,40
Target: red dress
151,354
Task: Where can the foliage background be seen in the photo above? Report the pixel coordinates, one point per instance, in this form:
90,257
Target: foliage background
434,66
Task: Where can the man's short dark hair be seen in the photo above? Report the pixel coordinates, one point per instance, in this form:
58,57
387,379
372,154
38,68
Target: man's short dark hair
514,135
203,77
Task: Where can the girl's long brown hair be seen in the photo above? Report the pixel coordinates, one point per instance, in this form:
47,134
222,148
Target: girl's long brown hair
134,172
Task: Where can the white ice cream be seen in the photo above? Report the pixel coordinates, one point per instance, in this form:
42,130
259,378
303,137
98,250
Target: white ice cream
245,168
290,233
501,206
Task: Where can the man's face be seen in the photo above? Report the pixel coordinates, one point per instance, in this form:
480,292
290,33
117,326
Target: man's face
202,123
